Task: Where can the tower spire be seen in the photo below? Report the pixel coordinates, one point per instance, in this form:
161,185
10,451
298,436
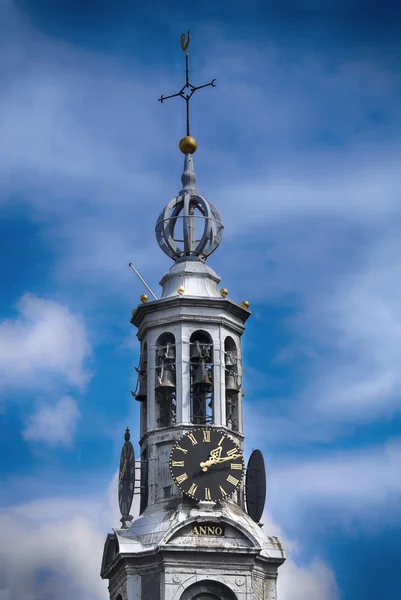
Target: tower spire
189,218
187,144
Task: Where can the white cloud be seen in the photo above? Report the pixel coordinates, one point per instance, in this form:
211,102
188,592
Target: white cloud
359,486
342,288
56,544
315,581
55,547
364,318
55,559
45,341
53,424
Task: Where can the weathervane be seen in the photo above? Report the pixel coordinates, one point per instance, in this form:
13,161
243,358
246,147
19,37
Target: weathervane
188,89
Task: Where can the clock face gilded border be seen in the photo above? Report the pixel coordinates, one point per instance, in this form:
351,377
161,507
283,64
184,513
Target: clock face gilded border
206,464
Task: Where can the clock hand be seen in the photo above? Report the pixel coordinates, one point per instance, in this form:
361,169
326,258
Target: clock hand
218,468
121,479
215,461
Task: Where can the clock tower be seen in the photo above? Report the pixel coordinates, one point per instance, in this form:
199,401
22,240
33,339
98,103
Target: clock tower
198,535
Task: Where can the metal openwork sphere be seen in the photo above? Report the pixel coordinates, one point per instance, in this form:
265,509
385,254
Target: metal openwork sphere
189,228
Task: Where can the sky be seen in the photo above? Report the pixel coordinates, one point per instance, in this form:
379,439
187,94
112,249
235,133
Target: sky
299,148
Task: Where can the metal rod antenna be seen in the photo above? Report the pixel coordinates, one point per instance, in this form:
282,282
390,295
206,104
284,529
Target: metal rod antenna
143,281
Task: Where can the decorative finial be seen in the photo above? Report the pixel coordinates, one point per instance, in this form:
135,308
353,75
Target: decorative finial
188,144
189,227
127,435
185,44
144,298
224,292
245,304
180,290
188,177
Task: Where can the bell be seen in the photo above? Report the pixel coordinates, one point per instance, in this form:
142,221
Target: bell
166,379
201,376
231,384
230,359
143,389
143,362
170,354
196,351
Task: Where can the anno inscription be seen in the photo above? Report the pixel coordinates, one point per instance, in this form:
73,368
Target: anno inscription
208,529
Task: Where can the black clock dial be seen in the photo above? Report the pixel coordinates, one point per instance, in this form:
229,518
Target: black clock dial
206,464
126,479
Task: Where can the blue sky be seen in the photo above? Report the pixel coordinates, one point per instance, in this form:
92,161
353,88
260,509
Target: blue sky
299,149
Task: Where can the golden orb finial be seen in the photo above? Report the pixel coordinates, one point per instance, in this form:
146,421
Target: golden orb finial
245,304
180,290
224,292
144,298
188,144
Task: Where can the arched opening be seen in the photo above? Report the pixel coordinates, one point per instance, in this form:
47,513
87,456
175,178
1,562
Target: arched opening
119,597
165,387
201,373
208,590
231,383
141,390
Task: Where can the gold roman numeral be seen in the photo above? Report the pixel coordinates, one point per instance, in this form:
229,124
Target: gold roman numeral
233,453
223,491
179,463
207,494
206,435
181,478
232,480
221,441
182,449
234,466
192,438
192,489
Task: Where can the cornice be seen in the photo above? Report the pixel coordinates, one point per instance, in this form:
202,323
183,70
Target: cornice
189,301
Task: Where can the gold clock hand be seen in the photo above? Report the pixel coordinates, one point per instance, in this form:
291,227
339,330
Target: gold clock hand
215,461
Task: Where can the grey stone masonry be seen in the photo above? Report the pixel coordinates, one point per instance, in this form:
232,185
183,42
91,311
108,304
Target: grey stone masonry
160,558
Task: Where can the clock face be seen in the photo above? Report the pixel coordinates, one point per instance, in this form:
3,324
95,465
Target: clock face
206,464
126,480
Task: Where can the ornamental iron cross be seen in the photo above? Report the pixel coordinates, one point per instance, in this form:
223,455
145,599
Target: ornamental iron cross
188,86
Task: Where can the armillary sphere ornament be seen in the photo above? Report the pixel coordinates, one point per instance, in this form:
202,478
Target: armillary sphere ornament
207,465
